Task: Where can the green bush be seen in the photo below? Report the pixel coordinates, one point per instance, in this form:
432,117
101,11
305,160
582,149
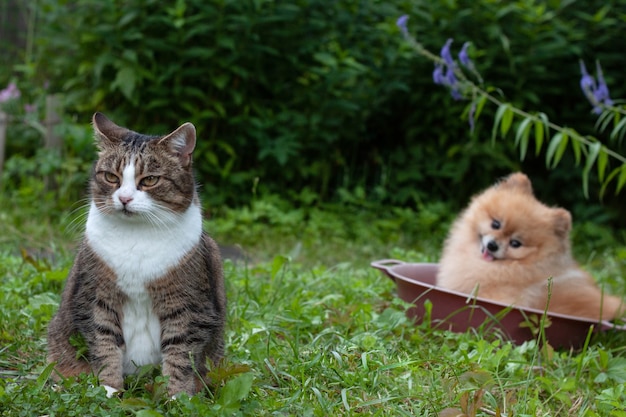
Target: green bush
313,97
279,92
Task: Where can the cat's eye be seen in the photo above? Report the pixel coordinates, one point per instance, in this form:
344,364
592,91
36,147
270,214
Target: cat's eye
149,181
111,178
495,225
514,243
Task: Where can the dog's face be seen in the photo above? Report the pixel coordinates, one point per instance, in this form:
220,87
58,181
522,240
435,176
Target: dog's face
510,224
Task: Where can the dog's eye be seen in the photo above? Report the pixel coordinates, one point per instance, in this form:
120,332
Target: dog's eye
515,243
495,225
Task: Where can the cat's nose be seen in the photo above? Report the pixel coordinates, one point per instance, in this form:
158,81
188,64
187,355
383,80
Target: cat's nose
125,200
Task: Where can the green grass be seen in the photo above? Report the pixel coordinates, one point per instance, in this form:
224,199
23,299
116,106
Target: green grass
313,330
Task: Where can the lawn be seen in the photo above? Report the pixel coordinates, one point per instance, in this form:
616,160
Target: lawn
313,330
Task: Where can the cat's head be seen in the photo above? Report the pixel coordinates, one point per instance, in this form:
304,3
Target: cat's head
139,175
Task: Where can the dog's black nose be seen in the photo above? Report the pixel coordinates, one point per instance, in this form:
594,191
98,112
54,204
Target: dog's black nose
492,246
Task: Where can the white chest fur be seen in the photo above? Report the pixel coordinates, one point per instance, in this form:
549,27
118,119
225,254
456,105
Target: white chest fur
139,252
142,334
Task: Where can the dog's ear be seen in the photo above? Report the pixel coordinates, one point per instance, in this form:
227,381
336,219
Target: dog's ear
518,181
562,222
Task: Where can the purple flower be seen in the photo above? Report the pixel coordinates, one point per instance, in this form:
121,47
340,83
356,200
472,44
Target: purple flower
446,55
402,24
464,57
452,82
447,77
450,78
597,94
587,83
30,108
602,92
9,93
456,94
438,77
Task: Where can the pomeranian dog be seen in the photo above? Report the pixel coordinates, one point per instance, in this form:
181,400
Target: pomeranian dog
506,245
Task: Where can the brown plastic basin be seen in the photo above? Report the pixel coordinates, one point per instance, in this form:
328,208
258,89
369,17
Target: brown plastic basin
460,312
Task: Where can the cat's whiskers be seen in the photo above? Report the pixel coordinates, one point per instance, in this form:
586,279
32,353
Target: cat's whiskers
158,221
162,217
102,204
77,217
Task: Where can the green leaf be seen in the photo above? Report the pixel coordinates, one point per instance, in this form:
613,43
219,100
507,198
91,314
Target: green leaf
133,403
521,136
542,130
603,161
497,120
622,179
561,149
236,390
480,103
619,130
220,81
576,147
604,120
37,301
125,81
45,374
507,120
326,59
608,180
130,55
616,369
127,18
555,149
594,149
219,108
277,264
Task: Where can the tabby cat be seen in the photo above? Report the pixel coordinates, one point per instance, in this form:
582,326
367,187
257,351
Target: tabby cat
147,284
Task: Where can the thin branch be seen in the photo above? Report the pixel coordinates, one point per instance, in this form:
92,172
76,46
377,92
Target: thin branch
571,132
469,85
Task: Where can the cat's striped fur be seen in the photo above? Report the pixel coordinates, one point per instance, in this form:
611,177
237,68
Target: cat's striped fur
147,283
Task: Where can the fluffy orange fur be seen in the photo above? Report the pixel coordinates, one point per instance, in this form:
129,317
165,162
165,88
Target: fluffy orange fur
506,245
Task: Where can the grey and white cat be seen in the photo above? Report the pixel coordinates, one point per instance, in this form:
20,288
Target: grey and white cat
147,283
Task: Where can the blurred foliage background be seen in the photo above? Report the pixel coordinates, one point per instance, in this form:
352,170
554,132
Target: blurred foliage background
311,100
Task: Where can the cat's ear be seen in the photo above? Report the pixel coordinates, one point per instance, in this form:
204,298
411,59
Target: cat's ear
107,132
181,142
